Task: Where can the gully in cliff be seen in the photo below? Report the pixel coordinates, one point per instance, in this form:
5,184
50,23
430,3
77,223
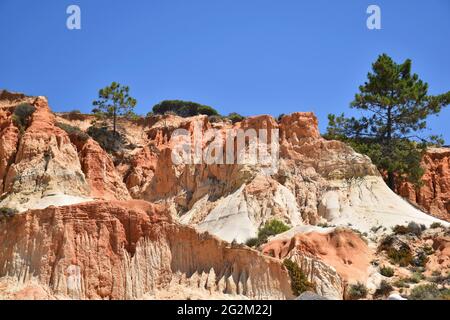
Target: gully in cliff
230,146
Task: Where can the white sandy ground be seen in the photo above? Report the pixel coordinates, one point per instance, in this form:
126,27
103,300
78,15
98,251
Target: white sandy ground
56,200
363,205
370,203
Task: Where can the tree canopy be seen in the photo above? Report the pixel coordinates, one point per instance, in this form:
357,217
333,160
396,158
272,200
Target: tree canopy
183,108
395,105
114,100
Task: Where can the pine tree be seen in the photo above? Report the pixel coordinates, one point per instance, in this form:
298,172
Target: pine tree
114,101
395,105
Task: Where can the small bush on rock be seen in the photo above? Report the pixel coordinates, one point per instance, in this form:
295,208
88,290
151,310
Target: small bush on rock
429,292
75,115
235,117
74,133
109,140
6,213
22,115
411,228
357,291
436,225
387,271
299,281
271,228
384,289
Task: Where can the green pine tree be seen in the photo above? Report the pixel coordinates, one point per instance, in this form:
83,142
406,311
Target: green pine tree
395,106
114,101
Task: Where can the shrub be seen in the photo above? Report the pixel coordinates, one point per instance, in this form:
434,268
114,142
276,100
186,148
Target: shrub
416,277
428,250
436,225
387,271
357,291
235,117
429,292
74,133
271,228
403,257
7,213
109,140
384,289
398,252
421,259
21,116
411,228
75,115
214,119
401,283
299,281
252,242
183,108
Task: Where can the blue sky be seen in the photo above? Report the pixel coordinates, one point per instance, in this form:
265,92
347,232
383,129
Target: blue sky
248,56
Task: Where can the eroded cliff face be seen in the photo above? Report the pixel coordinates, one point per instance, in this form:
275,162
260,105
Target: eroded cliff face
434,195
130,250
39,166
161,246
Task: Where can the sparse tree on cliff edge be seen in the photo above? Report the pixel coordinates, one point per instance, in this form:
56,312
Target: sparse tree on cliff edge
395,106
114,101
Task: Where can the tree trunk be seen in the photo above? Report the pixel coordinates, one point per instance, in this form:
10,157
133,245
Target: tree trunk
391,180
114,121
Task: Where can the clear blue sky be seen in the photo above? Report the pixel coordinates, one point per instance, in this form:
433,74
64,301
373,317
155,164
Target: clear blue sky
248,56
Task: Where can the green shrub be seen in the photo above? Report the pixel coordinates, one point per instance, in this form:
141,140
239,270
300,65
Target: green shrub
429,292
398,251
436,225
401,283
421,259
109,140
75,115
387,271
235,117
416,277
183,108
74,133
299,281
384,289
7,213
22,115
271,228
252,242
411,228
428,250
280,116
357,291
214,119
402,257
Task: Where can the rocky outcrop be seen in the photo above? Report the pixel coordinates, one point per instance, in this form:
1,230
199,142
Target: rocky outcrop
129,250
101,175
41,166
434,195
342,249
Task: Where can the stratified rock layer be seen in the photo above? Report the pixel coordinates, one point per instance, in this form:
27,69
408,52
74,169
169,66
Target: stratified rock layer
434,195
129,250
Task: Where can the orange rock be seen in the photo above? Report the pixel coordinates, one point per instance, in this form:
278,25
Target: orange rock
126,250
434,195
342,249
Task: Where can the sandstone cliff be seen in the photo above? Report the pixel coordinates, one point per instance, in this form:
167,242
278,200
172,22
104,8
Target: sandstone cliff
434,195
171,243
130,250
